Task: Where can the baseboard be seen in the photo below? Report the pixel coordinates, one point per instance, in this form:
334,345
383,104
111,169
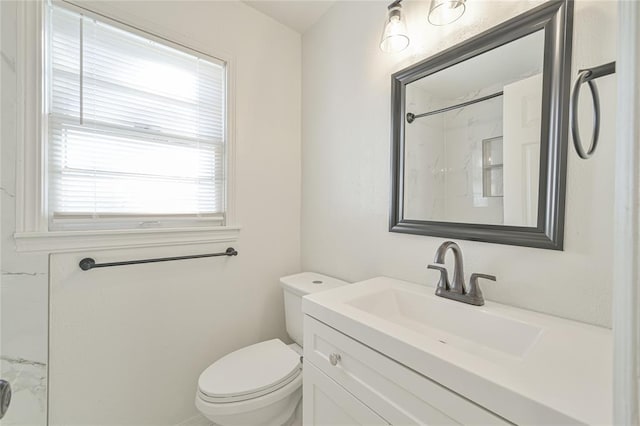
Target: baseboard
197,420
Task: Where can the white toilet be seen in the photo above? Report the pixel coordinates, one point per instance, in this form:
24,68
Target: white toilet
261,384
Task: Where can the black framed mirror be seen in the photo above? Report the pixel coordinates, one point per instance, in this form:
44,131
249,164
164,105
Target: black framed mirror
480,132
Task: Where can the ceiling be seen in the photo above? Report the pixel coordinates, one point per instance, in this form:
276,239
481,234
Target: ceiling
518,59
299,15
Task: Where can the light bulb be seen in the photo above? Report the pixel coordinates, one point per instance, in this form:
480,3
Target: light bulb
394,36
443,12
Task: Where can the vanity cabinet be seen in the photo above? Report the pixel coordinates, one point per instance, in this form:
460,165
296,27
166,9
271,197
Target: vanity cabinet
328,403
344,379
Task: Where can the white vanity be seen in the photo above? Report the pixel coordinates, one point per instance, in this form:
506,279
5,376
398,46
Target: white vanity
385,351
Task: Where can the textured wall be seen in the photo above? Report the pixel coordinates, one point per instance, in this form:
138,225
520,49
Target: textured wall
346,178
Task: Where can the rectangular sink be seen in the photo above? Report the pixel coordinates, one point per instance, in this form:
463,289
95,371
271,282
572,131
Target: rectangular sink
509,360
468,328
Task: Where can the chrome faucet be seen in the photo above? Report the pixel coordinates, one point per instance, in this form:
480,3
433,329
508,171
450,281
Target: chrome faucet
457,290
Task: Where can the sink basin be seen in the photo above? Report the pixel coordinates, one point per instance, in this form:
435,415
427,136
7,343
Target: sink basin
466,327
509,360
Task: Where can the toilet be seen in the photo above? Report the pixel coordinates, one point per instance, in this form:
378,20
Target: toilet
261,384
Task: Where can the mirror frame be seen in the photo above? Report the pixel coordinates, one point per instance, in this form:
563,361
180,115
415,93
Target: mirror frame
556,19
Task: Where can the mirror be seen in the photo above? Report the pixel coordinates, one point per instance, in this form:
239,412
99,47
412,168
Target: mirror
479,135
475,128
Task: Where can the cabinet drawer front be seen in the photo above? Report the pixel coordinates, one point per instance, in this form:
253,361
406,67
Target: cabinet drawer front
400,395
326,403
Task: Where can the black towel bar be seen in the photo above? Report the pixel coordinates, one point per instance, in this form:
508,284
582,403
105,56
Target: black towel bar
89,263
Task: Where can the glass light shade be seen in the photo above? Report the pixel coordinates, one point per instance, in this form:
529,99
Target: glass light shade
394,36
443,12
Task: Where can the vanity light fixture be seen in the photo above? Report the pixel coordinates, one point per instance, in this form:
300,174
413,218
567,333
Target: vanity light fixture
443,12
394,36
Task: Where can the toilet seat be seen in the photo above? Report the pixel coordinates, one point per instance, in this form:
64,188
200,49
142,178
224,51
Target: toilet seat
249,373
245,397
275,402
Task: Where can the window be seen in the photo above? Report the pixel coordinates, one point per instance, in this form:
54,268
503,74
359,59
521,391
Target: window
136,129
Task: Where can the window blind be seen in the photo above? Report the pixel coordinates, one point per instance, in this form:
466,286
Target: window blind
136,129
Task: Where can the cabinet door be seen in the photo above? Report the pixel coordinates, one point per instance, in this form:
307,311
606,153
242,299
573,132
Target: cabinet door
398,394
325,403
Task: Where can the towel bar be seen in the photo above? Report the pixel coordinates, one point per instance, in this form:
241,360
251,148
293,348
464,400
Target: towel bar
89,263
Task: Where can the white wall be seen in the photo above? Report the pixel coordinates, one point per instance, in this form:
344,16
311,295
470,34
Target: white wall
128,343
24,286
346,178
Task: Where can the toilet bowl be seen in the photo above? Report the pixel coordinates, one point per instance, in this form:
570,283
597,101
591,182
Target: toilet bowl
256,385
261,384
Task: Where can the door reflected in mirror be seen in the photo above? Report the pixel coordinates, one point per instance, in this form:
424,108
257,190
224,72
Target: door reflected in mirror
472,138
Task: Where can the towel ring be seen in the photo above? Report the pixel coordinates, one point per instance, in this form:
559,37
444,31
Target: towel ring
595,98
587,76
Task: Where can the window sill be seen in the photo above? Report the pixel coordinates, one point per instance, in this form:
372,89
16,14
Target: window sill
70,241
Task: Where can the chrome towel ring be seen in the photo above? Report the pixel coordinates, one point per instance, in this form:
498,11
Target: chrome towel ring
587,76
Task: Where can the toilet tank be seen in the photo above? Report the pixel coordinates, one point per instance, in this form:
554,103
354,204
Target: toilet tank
296,286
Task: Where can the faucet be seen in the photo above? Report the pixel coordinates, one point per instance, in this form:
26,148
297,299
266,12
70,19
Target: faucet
457,290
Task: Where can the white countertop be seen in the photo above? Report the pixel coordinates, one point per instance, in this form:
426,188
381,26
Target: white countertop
565,377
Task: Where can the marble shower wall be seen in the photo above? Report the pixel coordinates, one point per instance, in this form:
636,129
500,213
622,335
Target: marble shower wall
443,158
464,131
24,280
425,160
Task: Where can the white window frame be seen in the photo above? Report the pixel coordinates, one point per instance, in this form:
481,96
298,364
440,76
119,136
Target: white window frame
32,229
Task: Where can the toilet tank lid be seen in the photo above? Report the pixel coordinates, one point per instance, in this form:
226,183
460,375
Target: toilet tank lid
309,282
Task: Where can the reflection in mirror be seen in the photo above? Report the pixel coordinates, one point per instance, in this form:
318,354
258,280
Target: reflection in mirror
472,138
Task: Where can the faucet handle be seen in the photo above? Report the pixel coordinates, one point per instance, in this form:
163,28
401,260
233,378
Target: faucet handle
443,283
474,288
476,275
439,266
